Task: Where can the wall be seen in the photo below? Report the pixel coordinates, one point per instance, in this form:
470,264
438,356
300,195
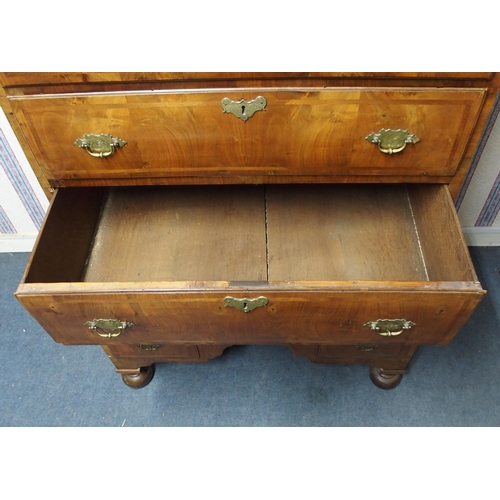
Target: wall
23,202
478,202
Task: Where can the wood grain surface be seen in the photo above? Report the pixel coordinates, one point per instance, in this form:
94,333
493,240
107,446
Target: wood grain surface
302,132
338,256
326,316
342,232
181,233
293,205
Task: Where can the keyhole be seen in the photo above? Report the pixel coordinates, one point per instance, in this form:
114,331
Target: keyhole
245,306
242,110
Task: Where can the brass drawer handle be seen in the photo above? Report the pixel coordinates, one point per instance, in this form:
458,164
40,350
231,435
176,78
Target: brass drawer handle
392,141
100,145
390,327
366,348
150,347
243,109
246,305
108,328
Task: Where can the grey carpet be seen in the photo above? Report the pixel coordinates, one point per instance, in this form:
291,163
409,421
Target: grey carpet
46,385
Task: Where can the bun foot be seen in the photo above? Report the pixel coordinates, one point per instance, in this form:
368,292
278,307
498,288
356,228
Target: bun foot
141,379
384,379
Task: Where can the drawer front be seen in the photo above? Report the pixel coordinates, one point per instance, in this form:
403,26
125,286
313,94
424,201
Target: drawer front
299,132
389,356
155,350
324,317
366,352
145,354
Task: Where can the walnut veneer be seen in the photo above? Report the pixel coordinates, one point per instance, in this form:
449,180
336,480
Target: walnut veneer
205,231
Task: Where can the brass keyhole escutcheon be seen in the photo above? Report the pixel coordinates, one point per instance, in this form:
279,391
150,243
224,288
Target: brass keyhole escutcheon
243,109
246,305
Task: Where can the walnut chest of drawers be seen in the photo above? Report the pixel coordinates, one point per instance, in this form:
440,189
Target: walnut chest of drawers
193,212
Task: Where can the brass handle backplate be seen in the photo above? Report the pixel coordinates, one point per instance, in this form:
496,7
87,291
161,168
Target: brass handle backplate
150,347
366,348
243,109
392,141
246,305
108,328
390,327
100,145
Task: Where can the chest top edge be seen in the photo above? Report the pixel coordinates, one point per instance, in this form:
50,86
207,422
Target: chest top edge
50,82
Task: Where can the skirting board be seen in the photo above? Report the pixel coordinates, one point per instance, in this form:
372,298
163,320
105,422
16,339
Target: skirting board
11,243
482,236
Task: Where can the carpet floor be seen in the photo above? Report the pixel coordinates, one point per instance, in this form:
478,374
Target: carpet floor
45,384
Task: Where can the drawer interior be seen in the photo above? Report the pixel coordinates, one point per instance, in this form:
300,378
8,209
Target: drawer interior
252,234
184,233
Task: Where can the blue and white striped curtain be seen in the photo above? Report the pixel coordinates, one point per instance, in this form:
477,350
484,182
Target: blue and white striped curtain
478,202
483,174
22,201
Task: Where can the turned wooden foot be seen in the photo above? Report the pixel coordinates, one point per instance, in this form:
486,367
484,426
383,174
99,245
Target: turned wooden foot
141,379
385,379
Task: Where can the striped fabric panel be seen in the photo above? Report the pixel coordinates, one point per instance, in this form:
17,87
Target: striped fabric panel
477,156
6,226
17,177
491,208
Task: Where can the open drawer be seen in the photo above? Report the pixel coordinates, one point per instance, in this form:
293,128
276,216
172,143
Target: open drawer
224,265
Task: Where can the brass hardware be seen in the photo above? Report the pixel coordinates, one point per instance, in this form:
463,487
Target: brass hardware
366,348
100,145
246,305
392,141
390,327
150,347
243,109
108,328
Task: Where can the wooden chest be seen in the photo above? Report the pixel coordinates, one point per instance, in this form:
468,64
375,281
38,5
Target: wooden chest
193,212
